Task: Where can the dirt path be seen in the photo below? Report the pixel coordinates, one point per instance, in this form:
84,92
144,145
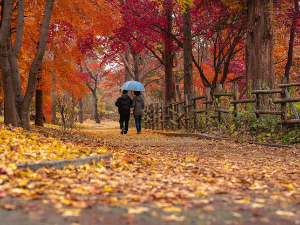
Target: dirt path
154,179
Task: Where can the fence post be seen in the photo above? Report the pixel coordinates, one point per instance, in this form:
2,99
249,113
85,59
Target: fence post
258,98
186,110
220,87
235,97
162,114
147,117
167,115
207,105
195,108
157,116
284,106
153,116
172,112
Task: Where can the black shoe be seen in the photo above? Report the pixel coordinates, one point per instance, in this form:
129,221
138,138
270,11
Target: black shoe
122,131
125,132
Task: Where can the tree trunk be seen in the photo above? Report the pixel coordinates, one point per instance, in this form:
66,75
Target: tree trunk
259,45
136,71
80,112
53,108
25,111
39,116
187,53
291,43
168,56
95,108
127,58
10,111
13,57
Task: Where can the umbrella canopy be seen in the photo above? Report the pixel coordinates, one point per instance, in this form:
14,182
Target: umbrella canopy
133,86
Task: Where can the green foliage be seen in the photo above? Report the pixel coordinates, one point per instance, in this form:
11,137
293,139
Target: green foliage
292,137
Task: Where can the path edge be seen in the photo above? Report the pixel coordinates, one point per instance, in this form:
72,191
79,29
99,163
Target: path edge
209,137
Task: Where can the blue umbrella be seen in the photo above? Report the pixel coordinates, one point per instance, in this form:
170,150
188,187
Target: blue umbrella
133,85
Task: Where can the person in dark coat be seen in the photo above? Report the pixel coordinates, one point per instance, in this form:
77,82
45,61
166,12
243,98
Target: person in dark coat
138,110
124,104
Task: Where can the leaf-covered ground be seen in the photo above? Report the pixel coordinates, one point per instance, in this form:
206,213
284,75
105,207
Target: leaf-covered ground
152,179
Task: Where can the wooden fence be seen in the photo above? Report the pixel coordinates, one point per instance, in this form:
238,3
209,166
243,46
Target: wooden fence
187,114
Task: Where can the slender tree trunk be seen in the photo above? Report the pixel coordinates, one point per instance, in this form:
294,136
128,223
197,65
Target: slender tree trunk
259,45
95,108
39,115
53,108
291,42
25,111
80,112
127,58
136,71
13,57
168,56
187,53
10,110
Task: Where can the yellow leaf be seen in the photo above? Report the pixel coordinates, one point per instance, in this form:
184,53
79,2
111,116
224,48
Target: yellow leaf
290,186
172,209
70,212
242,201
108,189
256,205
138,210
66,201
173,218
260,200
238,215
284,213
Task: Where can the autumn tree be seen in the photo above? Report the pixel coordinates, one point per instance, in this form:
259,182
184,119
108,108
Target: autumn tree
18,110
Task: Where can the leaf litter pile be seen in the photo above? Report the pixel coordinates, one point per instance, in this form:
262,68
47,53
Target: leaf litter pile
153,177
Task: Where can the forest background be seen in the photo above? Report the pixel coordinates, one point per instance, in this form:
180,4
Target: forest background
65,61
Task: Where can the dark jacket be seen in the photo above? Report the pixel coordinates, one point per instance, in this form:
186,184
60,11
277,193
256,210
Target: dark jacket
124,104
138,105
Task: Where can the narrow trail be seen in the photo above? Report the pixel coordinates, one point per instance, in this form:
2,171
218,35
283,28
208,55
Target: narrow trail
154,179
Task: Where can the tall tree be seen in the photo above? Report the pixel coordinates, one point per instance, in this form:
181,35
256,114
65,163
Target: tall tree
187,52
10,68
259,45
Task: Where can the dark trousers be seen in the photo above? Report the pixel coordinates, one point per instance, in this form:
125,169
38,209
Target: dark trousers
138,123
124,118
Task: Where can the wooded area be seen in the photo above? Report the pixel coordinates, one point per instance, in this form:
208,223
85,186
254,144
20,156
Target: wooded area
220,80
71,59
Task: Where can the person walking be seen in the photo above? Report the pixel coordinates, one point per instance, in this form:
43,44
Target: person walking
138,110
124,104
